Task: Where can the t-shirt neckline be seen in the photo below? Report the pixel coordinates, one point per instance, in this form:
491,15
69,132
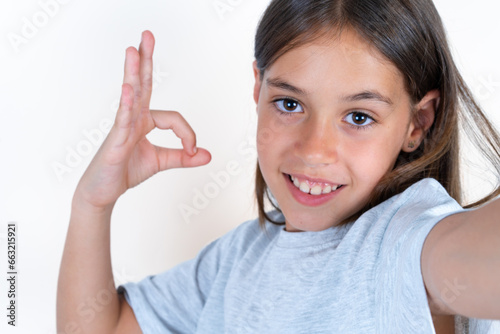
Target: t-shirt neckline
304,239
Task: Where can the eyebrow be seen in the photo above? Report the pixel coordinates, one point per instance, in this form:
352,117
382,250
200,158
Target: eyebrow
368,95
364,95
278,83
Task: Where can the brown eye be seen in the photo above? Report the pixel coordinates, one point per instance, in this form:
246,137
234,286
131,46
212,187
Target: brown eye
288,106
359,119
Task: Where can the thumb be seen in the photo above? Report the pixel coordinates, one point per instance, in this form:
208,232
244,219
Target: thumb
179,158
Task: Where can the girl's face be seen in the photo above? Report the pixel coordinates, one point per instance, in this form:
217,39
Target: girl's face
332,118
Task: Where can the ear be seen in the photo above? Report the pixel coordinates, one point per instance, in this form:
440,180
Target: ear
258,83
423,117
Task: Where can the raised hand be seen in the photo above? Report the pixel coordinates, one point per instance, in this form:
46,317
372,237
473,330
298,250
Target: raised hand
127,158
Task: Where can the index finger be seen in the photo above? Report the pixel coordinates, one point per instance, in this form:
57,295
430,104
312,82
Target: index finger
172,120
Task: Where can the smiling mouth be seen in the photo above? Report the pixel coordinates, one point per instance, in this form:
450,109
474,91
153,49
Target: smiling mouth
313,188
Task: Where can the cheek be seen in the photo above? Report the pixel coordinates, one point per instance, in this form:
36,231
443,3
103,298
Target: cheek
265,134
266,139
370,160
272,133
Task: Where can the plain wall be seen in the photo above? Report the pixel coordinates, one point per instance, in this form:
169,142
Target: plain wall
59,89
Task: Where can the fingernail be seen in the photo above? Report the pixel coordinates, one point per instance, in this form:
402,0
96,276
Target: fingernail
195,150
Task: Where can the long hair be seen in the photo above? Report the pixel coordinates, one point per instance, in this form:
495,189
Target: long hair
410,34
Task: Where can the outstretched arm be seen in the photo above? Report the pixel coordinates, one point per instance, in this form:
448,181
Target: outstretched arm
461,263
87,301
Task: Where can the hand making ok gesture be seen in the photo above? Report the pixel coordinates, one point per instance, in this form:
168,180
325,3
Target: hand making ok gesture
127,158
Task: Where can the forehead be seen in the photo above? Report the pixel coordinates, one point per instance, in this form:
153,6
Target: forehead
344,62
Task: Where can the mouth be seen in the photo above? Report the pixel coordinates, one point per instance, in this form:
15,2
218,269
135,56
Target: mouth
311,192
314,188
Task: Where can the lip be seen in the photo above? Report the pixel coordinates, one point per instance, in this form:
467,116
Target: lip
313,180
307,199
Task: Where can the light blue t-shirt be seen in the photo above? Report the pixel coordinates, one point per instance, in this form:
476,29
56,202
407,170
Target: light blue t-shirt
363,277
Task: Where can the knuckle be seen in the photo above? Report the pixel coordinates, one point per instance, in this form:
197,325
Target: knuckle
177,115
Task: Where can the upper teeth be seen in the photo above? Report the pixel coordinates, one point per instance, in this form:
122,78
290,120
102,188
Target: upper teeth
314,188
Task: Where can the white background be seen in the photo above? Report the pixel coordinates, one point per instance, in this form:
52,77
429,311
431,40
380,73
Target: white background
64,80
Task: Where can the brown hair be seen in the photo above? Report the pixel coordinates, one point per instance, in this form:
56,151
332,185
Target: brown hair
411,35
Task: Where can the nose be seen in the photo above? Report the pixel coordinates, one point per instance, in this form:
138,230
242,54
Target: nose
317,142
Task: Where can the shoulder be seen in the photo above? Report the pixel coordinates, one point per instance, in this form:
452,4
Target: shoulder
392,235
427,192
423,201
408,216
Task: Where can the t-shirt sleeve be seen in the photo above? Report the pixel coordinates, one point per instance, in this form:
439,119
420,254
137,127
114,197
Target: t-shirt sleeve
171,302
401,294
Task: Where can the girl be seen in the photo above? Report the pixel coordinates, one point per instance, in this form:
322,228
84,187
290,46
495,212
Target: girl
359,105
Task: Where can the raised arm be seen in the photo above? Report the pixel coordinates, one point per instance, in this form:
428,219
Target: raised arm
125,159
461,263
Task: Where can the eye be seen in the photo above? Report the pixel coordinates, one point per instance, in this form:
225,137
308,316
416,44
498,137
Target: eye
359,119
288,106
